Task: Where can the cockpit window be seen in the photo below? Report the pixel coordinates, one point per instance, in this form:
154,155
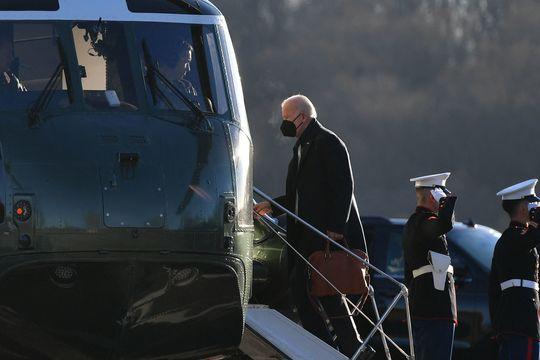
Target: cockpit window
164,6
29,5
29,57
182,58
104,65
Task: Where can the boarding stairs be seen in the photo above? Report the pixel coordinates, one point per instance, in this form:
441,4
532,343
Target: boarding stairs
271,335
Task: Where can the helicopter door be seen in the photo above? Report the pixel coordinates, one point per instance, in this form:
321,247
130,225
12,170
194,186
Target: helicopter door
133,193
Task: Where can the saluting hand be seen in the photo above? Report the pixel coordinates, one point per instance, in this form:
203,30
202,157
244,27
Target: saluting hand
443,202
334,236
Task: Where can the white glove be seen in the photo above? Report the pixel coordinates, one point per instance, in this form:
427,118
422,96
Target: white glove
438,194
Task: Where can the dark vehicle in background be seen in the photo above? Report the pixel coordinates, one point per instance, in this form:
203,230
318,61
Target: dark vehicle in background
471,248
470,245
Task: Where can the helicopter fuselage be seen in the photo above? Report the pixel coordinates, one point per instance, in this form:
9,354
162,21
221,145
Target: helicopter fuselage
126,228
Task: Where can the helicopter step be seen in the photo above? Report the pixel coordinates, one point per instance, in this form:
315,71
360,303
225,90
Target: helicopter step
271,335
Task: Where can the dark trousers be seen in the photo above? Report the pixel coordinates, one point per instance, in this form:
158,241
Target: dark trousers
516,347
433,339
312,319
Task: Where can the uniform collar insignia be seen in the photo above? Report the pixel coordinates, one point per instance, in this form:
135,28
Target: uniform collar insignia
517,224
522,228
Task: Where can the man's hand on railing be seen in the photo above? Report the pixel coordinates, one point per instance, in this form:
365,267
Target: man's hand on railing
334,236
262,209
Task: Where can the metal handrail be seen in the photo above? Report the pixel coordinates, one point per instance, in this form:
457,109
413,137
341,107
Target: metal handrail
326,237
402,293
266,220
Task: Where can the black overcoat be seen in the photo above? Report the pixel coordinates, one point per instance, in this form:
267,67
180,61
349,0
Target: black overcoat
515,310
425,231
325,185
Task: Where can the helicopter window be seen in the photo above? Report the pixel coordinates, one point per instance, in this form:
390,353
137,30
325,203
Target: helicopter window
187,57
164,6
29,56
104,66
218,85
26,5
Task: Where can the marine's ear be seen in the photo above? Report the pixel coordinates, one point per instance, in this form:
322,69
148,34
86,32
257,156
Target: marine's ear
524,208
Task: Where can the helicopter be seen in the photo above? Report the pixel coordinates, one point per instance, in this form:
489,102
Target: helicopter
126,225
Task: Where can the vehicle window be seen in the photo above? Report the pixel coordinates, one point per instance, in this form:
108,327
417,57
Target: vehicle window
479,242
457,259
394,252
105,65
25,5
29,56
369,232
182,58
163,6
462,270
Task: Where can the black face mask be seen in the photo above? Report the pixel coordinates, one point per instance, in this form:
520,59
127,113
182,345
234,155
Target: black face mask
288,128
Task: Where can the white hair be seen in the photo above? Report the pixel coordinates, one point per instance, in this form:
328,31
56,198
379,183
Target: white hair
303,104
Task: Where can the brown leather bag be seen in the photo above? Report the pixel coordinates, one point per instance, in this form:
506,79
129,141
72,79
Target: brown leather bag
346,272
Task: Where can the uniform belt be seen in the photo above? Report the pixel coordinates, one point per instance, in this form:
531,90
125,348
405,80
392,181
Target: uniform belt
428,269
519,283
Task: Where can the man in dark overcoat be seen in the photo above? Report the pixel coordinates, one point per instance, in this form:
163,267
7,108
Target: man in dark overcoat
320,190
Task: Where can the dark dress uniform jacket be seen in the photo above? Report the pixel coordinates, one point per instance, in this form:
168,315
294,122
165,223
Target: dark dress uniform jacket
423,232
515,310
324,182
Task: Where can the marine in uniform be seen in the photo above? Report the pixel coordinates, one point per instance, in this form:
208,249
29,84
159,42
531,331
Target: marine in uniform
176,66
513,285
183,67
428,273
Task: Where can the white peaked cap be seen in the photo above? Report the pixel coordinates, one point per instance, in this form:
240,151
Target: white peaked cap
431,180
523,190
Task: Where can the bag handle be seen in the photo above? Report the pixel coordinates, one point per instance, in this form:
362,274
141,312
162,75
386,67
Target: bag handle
327,249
